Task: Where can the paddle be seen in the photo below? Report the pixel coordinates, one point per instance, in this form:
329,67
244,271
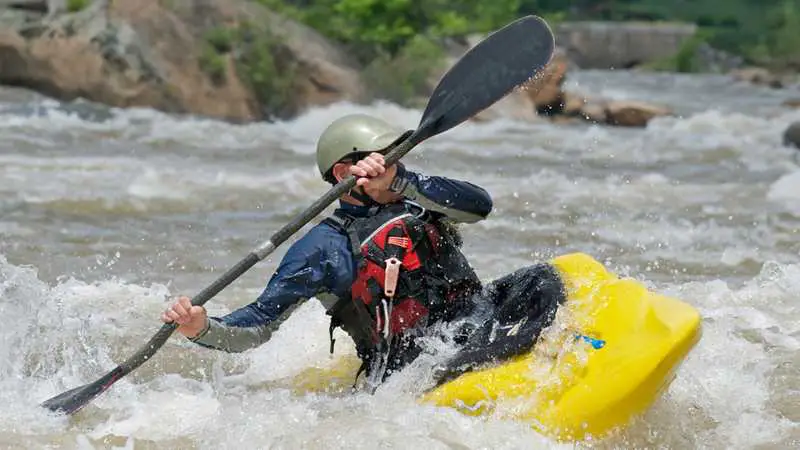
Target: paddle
485,74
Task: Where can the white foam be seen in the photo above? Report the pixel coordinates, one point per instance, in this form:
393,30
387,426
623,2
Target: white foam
86,323
786,192
728,376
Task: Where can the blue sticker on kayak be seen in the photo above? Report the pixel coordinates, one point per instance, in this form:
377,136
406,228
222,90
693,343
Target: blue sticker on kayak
597,344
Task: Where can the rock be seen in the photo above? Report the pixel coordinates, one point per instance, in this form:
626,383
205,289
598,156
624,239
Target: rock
545,90
158,54
28,5
613,112
620,45
572,104
632,113
791,136
324,73
757,75
594,112
18,13
565,120
792,103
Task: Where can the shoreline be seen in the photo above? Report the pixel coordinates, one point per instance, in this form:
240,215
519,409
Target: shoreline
238,61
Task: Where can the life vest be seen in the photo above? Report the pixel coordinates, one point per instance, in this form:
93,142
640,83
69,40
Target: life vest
410,272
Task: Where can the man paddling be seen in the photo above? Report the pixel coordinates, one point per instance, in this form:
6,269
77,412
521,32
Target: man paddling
387,265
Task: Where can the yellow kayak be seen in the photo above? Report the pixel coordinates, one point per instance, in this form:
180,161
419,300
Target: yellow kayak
616,353
613,348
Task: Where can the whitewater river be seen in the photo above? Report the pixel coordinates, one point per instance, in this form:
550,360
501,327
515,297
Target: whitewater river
104,214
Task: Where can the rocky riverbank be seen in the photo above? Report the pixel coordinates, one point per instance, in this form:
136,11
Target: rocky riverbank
230,59
218,58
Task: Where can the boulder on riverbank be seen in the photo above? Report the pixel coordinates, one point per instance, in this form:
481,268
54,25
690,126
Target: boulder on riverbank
791,103
756,75
622,113
760,76
229,59
633,113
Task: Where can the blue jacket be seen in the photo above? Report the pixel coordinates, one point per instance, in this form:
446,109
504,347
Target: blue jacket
321,263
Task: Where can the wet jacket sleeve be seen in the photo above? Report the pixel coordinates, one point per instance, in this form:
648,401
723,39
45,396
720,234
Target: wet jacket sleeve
461,201
307,269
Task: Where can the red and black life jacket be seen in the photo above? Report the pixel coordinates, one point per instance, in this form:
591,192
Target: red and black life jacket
434,281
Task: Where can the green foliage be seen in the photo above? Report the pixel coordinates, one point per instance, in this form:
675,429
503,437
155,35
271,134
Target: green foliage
259,62
763,31
262,65
375,27
213,64
406,76
685,60
783,42
218,42
220,38
74,6
376,32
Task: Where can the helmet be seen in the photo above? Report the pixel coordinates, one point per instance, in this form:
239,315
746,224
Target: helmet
354,134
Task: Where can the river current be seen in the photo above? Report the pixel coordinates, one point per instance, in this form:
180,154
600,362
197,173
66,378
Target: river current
105,214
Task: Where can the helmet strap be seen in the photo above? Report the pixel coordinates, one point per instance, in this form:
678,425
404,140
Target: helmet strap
362,197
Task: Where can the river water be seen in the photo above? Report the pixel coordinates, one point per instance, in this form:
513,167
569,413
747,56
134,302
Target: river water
106,213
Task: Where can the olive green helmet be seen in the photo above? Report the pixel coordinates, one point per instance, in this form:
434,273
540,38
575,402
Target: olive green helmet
352,135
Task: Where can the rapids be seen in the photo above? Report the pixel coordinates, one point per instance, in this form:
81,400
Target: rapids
106,213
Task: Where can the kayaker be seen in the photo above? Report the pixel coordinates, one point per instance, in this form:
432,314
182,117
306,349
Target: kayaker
387,265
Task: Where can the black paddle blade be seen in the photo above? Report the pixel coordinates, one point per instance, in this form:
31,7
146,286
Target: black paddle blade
504,60
75,399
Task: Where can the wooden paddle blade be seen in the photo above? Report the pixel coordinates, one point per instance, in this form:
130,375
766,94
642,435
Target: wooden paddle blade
504,60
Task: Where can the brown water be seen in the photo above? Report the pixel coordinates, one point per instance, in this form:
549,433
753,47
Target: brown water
105,213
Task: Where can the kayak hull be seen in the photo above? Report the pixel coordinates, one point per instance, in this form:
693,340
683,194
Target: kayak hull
617,352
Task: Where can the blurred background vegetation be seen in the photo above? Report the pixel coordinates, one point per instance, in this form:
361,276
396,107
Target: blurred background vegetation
763,32
399,42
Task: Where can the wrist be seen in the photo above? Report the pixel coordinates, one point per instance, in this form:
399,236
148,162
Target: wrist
202,332
399,183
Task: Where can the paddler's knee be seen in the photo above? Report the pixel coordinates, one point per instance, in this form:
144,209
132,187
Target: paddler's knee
529,291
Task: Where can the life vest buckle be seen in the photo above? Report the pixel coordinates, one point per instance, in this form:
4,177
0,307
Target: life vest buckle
392,273
421,211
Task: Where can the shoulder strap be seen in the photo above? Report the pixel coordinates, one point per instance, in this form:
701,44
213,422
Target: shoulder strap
346,224
343,222
340,220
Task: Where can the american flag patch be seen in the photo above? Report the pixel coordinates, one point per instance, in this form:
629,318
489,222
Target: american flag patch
399,241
